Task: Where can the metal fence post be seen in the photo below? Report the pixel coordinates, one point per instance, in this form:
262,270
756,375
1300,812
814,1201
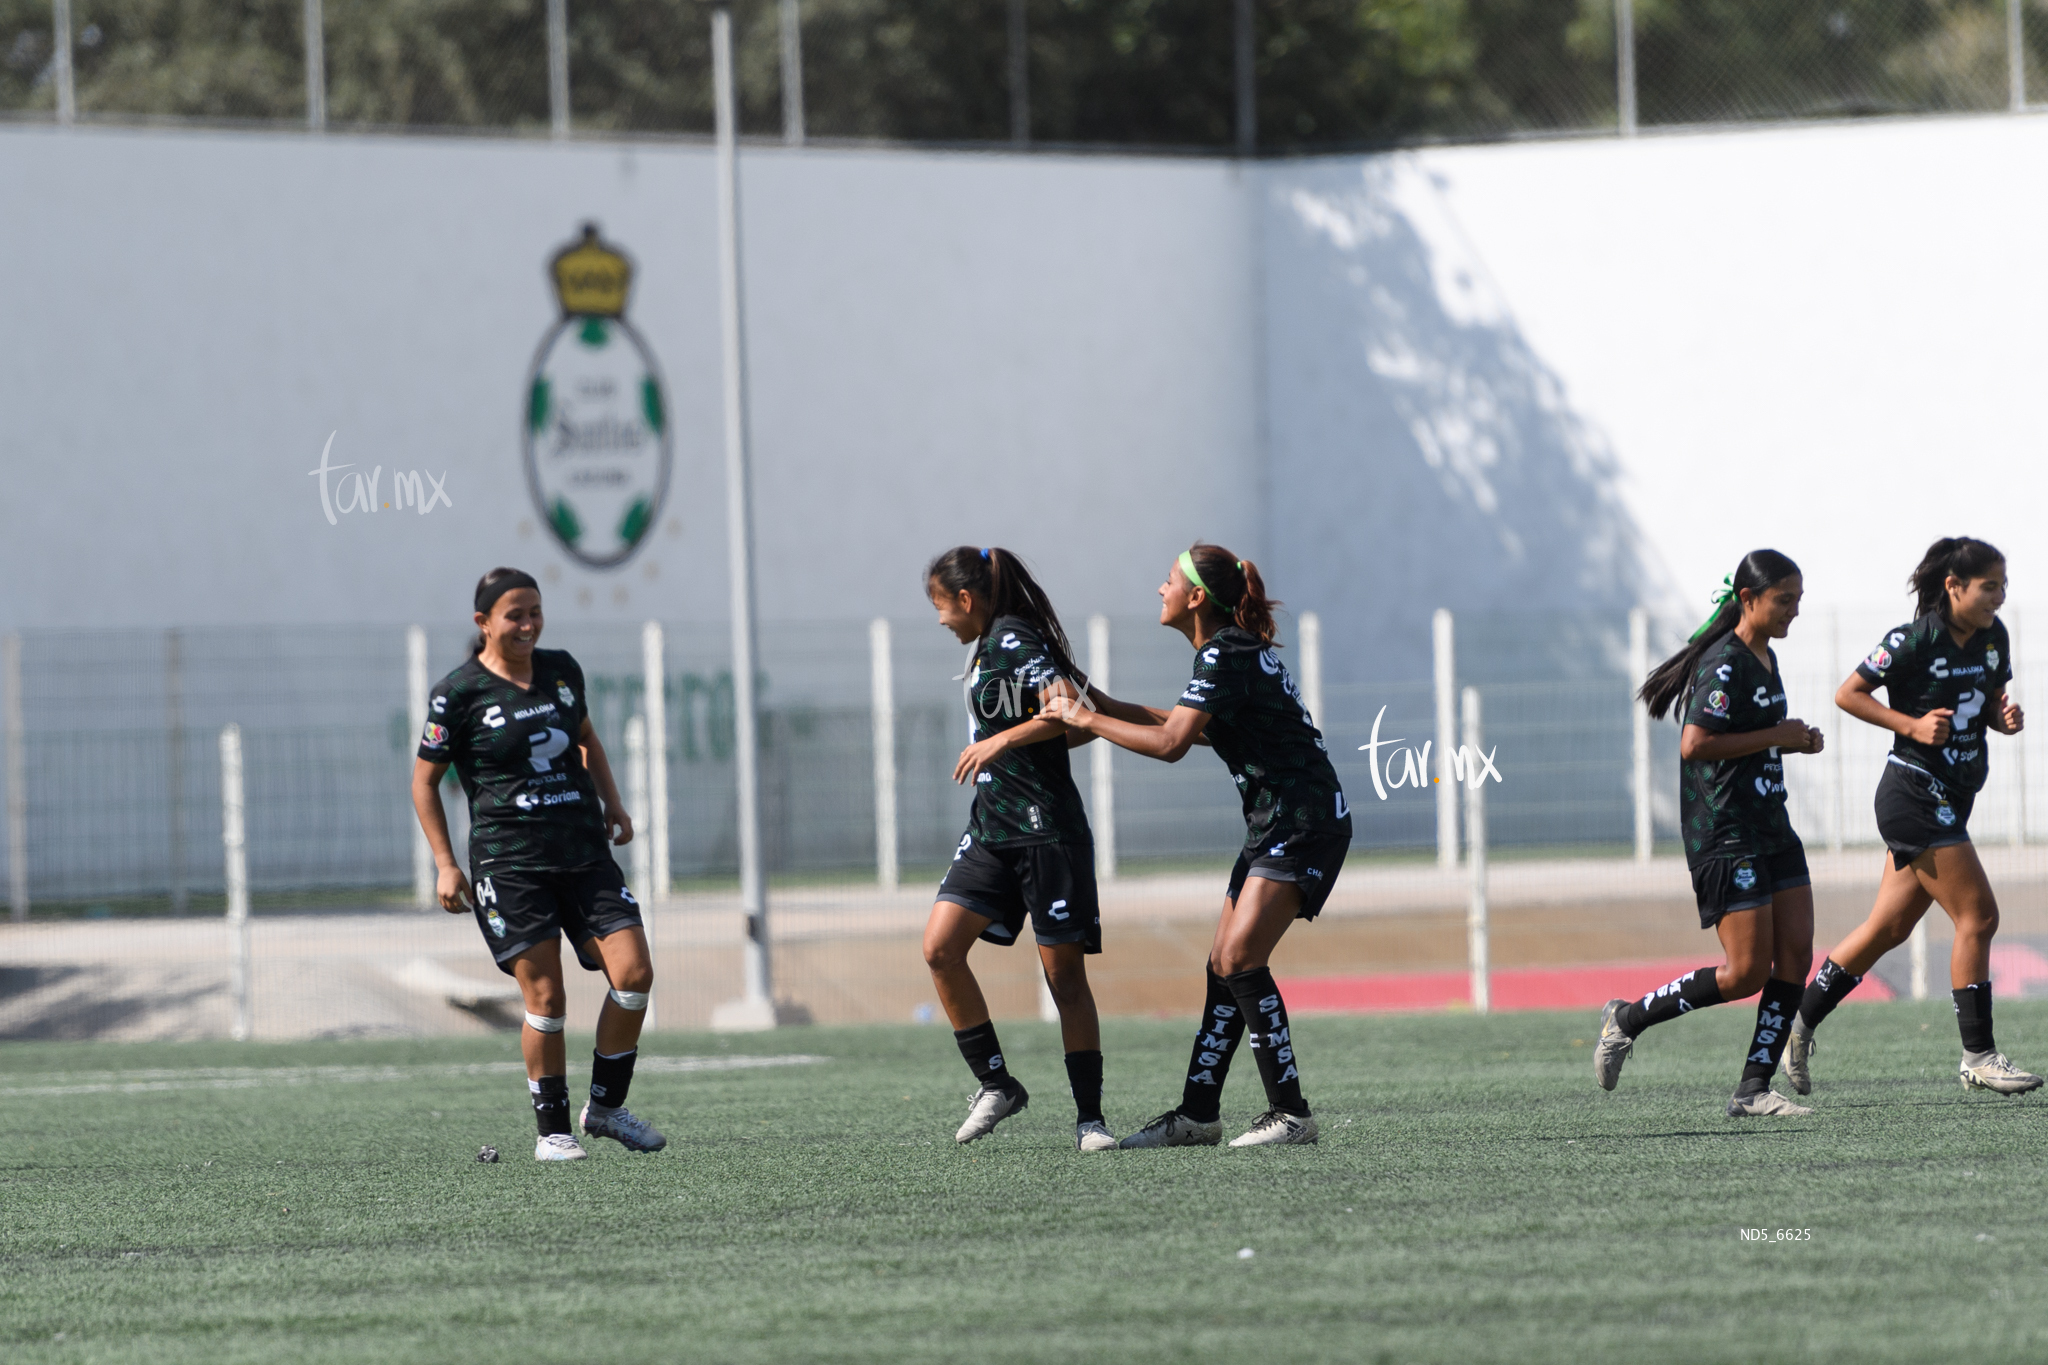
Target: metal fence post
423,874
1917,944
17,778
882,706
636,799
1247,80
1101,773
1837,781
316,67
1478,946
174,766
1020,77
1625,65
2016,55
60,63
234,844
558,66
1312,668
792,74
654,668
2019,746
1639,722
755,1009
1446,741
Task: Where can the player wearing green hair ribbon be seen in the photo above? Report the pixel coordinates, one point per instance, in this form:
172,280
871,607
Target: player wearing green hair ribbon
1242,703
1748,867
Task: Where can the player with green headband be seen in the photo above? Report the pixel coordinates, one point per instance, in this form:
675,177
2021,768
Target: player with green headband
1748,867
1242,703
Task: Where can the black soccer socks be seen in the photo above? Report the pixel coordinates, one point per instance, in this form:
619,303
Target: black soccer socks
1830,987
611,1077
1084,1074
1774,1012
1201,1097
1696,990
1272,1042
984,1054
1973,1017
550,1104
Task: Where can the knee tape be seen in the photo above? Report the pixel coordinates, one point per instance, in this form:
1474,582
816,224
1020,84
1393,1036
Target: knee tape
540,1023
630,1000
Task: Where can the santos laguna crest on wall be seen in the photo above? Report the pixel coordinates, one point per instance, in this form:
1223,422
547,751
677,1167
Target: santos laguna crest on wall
596,435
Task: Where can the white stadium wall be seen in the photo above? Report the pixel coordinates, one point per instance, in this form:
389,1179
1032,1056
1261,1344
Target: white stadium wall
1536,377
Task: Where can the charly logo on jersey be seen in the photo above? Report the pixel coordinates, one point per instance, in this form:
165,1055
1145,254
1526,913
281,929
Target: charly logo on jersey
597,445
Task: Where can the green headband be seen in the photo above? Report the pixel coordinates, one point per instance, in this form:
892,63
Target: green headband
1721,595
1187,568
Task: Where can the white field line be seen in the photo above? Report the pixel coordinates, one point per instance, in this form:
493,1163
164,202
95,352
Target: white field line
252,1077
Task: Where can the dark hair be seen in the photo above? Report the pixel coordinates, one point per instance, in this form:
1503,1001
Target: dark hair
1235,589
489,589
1670,680
1958,555
1000,579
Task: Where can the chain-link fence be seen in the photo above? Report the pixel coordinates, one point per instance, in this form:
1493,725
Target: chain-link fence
1249,75
116,864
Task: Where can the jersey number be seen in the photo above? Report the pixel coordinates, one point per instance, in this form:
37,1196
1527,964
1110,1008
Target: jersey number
1967,707
547,745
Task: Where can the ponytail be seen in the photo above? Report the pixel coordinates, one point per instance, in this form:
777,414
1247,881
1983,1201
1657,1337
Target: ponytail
1952,556
1001,581
1235,589
1670,680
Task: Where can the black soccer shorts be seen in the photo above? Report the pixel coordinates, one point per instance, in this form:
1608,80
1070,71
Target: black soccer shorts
517,910
1310,861
1742,880
1917,811
1053,885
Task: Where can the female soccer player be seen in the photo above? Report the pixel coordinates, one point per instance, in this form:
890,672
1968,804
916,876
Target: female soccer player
1242,703
1748,867
1944,674
1028,851
539,850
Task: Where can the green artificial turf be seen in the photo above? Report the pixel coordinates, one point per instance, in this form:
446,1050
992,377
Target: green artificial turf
1474,1198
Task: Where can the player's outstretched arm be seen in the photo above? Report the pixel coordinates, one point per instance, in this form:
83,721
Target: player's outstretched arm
1166,739
618,825
450,886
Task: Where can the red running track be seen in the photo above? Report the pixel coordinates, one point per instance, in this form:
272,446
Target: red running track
1523,988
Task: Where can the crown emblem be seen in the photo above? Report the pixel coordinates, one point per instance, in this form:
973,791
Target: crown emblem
591,277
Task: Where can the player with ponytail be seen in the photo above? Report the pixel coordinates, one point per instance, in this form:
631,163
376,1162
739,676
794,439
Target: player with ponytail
1748,867
1242,703
1028,852
1945,675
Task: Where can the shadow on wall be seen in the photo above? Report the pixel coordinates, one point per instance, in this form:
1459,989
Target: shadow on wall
1421,455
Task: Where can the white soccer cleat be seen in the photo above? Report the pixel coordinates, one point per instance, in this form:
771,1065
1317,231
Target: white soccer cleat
1798,1047
558,1147
1175,1129
622,1126
1612,1049
1991,1071
1275,1129
1094,1136
988,1107
1765,1103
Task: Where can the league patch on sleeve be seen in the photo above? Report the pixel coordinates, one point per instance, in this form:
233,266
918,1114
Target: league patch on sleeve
1880,659
435,736
1717,704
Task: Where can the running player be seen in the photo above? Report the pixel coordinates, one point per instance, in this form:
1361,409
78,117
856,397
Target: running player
1944,674
1242,703
1748,867
539,852
1028,852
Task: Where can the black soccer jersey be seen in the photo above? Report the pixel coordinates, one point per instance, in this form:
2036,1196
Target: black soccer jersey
532,805
1923,669
1264,735
1735,805
1027,796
